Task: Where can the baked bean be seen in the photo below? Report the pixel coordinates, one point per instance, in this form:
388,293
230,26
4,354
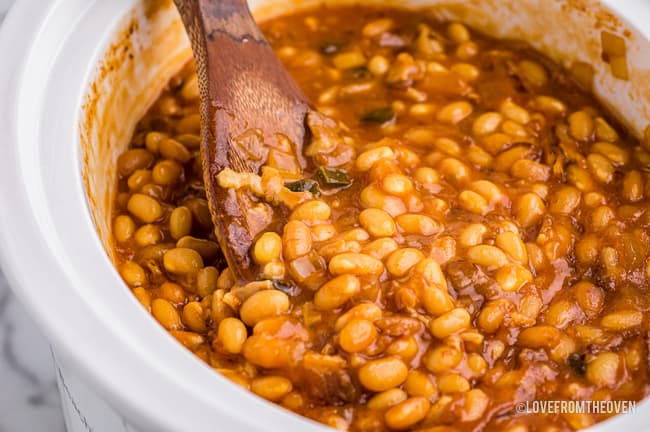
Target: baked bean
193,317
190,90
466,50
530,170
336,292
453,383
171,149
455,171
182,261
357,335
373,197
397,184
529,209
590,297
476,402
356,264
604,131
232,334
549,104
633,189
601,168
387,399
406,348
123,228
458,32
603,369
442,358
581,126
450,323
487,123
580,178
133,274
377,222
419,384
180,222
447,145
622,320
488,256
378,65
513,245
367,159
377,27
132,160
417,224
312,212
272,388
539,337
208,249
565,200
147,235
473,202
407,413
167,172
263,304
267,248
492,315
472,235
206,281
138,179
296,240
514,112
454,112
152,141
383,374
402,260
367,311
145,208
504,161
513,277
488,190
166,314
534,72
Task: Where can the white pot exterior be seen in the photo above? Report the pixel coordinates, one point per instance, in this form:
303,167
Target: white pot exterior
118,365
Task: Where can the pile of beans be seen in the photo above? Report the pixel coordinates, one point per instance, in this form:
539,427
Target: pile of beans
490,245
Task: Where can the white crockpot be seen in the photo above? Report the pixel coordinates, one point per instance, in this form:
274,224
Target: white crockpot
75,77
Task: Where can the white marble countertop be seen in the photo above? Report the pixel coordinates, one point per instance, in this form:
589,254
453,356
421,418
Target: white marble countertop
29,398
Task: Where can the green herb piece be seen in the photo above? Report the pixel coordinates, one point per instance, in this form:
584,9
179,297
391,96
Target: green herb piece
331,178
379,115
304,185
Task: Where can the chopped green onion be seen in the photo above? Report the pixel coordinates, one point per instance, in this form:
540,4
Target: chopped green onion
379,115
333,178
304,185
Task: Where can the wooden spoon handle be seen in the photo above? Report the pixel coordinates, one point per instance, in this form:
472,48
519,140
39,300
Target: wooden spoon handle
244,88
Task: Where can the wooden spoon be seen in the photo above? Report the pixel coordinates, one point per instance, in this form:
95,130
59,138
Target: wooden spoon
249,103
